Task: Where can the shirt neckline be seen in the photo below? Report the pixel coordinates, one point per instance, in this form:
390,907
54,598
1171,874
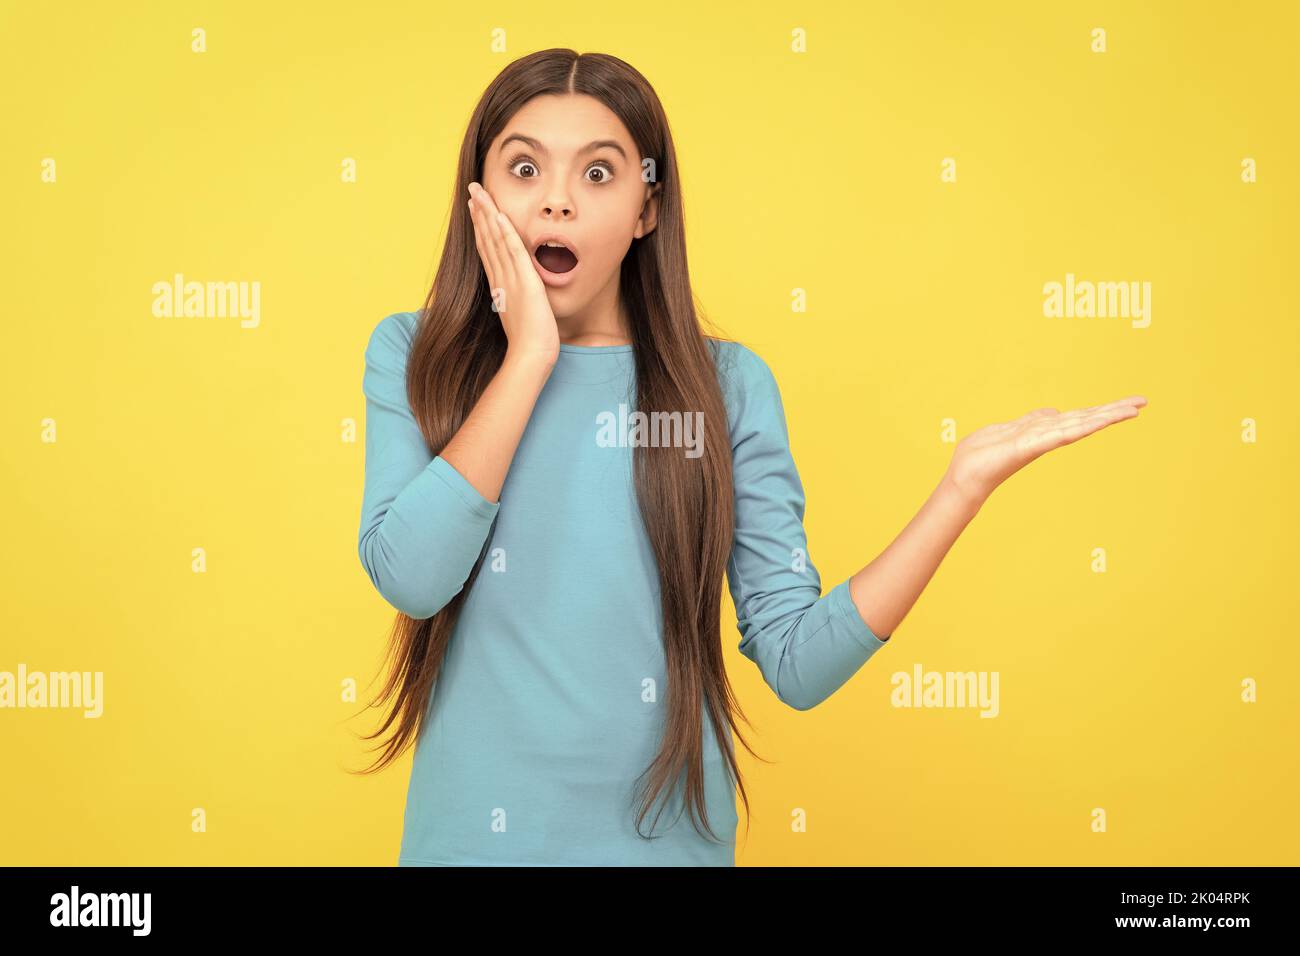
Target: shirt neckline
594,349
592,364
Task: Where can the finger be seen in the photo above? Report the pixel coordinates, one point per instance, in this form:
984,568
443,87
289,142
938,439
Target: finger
1036,413
515,248
1070,419
491,235
490,211
481,243
513,257
509,262
484,246
1133,400
1025,419
1063,433
501,256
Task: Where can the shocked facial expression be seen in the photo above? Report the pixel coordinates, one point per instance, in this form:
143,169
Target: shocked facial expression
567,174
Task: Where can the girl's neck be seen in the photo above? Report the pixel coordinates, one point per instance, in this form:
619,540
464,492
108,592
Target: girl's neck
593,339
597,326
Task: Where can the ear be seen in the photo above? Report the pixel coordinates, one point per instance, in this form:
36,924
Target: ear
649,217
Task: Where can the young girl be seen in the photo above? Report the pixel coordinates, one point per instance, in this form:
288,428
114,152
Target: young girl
558,563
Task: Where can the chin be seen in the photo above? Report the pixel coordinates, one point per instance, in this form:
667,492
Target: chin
563,304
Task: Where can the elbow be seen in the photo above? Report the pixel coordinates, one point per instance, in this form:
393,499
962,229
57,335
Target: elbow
785,674
419,602
411,604
419,599
803,688
802,684
799,698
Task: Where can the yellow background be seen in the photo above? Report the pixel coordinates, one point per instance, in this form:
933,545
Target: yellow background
818,171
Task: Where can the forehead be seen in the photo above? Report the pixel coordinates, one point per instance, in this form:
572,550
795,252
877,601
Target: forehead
565,124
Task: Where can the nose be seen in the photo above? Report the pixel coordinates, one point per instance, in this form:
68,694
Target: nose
557,201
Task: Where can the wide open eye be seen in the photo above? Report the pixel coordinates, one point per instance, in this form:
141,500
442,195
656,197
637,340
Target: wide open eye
524,162
606,171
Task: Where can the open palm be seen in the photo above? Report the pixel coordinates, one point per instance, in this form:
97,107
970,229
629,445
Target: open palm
986,458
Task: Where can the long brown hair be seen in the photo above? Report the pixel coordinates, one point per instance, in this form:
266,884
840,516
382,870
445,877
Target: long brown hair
686,503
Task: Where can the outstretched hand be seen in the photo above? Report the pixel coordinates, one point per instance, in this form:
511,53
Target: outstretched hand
986,458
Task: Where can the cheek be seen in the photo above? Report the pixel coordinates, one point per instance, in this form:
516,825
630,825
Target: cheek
505,198
612,248
512,208
614,237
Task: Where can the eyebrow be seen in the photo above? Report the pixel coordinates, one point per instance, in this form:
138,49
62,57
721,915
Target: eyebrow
590,147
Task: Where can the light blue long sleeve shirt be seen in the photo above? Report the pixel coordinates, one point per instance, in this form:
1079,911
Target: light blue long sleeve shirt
552,696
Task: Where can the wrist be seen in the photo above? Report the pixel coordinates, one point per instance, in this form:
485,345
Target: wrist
955,497
529,361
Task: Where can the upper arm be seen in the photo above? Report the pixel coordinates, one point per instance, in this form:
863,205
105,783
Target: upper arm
423,525
806,644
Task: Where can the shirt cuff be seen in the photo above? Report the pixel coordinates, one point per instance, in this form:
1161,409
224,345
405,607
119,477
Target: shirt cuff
842,603
460,484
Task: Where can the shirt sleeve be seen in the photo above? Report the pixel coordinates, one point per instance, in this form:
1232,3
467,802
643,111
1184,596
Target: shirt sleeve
423,525
806,644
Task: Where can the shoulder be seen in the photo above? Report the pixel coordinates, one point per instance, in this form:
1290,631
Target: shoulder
391,338
739,366
384,378
749,387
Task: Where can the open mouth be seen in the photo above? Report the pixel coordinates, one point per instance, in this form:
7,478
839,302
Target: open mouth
554,256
